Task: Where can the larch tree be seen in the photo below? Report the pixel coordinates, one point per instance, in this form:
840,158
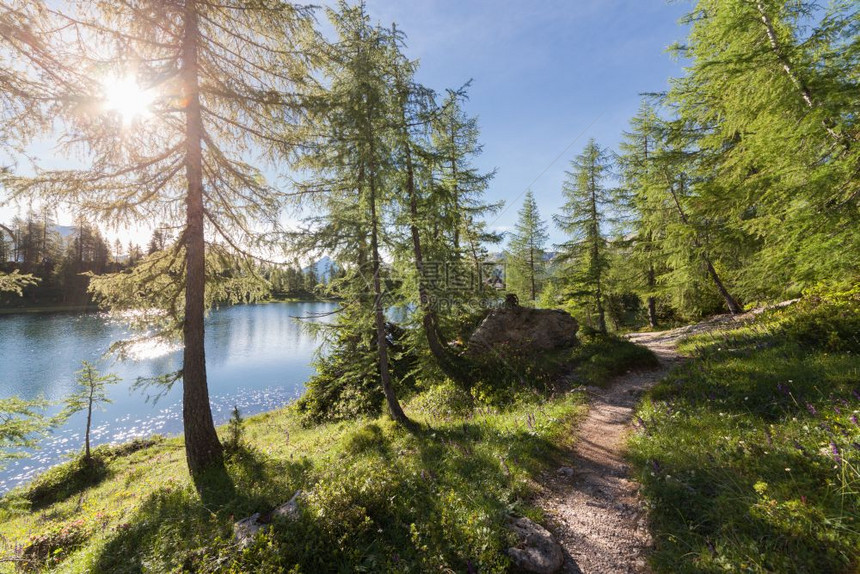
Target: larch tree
582,218
90,394
459,197
349,167
179,105
30,91
414,110
771,95
526,248
636,162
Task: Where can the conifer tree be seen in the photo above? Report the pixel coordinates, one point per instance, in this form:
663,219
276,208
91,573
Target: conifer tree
527,253
219,80
459,198
582,218
771,99
90,394
646,222
351,163
414,110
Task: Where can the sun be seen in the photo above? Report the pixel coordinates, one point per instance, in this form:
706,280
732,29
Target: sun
124,96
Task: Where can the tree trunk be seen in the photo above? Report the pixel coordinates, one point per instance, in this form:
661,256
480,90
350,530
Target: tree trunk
394,407
203,451
89,420
734,307
429,321
456,190
652,312
788,68
731,303
652,301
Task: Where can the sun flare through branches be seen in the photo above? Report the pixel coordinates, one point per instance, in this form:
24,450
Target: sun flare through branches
125,97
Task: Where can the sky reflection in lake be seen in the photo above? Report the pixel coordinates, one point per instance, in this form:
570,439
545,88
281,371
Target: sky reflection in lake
257,358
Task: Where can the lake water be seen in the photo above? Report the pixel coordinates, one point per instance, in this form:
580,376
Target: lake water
257,358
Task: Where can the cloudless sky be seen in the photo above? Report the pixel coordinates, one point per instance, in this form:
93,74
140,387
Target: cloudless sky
547,75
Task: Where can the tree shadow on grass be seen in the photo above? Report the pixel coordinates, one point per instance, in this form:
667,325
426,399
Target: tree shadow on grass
173,528
731,507
67,480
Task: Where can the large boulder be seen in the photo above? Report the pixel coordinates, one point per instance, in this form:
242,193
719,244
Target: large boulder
524,329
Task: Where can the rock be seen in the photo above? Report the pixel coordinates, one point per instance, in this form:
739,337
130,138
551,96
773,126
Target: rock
537,551
289,509
246,529
565,471
523,328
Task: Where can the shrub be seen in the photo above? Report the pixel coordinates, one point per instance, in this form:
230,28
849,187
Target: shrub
443,401
235,430
53,545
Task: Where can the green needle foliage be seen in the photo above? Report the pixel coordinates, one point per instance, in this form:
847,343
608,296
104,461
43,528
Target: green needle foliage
22,424
583,218
222,80
14,282
91,393
771,98
526,265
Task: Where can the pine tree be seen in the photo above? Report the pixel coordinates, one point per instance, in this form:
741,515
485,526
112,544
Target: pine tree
90,393
222,78
582,218
527,253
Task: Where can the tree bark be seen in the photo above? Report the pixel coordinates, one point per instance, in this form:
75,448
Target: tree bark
731,303
203,450
89,419
394,407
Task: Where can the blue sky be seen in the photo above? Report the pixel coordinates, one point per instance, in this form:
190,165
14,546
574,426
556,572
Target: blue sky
548,74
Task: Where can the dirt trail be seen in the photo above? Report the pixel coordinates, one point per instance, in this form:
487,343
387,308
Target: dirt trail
595,511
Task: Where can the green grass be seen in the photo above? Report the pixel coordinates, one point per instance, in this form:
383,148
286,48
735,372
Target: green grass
601,358
749,455
379,498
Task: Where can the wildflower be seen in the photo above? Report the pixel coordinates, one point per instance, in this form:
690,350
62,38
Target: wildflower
811,410
853,419
835,450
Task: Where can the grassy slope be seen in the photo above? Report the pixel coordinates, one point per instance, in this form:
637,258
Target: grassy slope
378,498
750,454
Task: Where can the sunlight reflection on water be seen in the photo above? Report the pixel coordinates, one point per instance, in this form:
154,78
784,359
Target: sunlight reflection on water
258,359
